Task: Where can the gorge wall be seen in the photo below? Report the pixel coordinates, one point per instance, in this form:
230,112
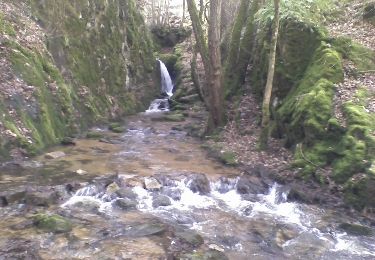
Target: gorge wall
66,65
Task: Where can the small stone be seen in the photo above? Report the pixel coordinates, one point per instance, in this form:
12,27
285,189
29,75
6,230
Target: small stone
81,172
216,247
54,155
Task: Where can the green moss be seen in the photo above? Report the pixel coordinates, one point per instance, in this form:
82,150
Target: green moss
52,223
362,57
305,112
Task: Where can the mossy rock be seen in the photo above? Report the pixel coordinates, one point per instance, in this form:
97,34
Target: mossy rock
359,191
190,237
52,223
228,158
355,229
94,135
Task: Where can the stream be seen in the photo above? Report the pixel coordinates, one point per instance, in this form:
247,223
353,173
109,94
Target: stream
153,193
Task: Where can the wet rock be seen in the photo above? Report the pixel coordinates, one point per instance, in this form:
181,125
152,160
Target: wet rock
3,201
356,229
211,254
12,195
224,185
161,201
198,183
39,198
125,204
23,225
52,223
189,237
285,234
126,193
152,184
132,182
54,155
68,141
173,193
146,229
110,140
250,184
18,248
112,188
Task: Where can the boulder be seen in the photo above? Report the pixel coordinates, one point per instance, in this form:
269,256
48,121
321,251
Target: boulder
198,183
126,193
161,201
125,204
249,184
54,155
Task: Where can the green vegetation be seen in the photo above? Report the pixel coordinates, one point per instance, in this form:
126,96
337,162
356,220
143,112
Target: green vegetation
6,27
52,223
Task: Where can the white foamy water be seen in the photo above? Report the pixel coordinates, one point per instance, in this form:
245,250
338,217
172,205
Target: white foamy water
90,196
166,81
158,105
268,204
224,197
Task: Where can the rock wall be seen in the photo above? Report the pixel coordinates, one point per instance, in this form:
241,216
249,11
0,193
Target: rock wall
327,147
66,65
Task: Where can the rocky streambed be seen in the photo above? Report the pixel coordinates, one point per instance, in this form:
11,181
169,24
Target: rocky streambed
150,192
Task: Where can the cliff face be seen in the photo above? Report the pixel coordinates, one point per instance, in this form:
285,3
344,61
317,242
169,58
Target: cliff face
66,65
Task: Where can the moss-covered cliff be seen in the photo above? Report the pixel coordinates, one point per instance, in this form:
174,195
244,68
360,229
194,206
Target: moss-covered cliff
308,72
68,64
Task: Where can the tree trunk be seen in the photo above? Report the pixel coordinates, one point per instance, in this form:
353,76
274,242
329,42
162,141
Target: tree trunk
234,47
271,71
211,58
215,75
198,32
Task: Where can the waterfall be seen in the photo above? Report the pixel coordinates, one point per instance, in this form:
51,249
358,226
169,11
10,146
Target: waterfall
166,81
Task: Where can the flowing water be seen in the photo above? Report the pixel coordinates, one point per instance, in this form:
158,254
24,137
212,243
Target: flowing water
152,193
166,81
